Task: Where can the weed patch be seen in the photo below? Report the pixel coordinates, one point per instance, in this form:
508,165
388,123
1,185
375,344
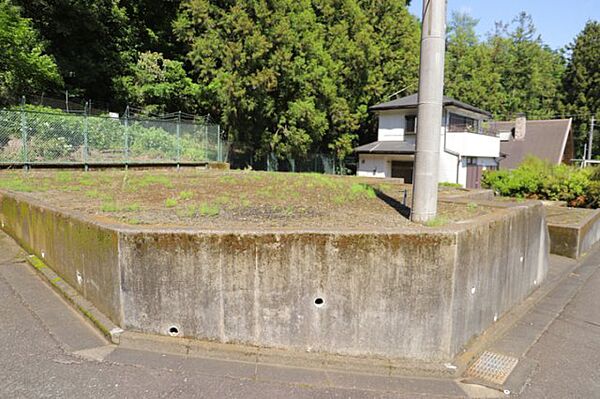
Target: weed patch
171,202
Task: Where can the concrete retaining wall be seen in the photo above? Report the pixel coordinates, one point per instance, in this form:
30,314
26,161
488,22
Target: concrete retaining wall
419,294
574,239
83,253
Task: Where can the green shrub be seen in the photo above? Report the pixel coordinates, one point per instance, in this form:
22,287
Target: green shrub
537,179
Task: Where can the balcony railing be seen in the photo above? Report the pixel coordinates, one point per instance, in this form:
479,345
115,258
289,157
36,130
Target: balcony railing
470,128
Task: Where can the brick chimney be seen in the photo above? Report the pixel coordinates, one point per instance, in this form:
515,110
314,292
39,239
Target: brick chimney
520,127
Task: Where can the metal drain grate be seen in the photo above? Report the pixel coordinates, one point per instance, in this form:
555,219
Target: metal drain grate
492,367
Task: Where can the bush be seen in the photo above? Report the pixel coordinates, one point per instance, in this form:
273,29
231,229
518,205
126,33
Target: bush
537,179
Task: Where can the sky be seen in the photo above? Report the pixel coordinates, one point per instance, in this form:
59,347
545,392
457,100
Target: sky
558,21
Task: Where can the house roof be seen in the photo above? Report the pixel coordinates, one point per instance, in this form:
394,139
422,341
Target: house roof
386,147
545,139
412,101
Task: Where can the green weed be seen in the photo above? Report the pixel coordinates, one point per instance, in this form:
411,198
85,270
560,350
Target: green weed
64,177
206,209
18,184
92,194
170,202
186,195
471,206
131,207
150,180
448,184
362,190
109,207
436,221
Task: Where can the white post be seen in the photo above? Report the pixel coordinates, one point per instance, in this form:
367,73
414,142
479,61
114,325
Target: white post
431,90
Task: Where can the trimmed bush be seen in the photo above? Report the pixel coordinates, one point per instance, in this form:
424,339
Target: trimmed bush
537,179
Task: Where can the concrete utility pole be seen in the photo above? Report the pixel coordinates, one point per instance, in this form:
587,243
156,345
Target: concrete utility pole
431,90
591,139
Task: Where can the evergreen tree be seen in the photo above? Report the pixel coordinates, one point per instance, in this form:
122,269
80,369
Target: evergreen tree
88,39
23,64
530,72
470,73
157,85
582,83
291,77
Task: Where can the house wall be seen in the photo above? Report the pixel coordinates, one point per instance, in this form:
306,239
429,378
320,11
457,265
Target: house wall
391,126
473,144
378,165
372,166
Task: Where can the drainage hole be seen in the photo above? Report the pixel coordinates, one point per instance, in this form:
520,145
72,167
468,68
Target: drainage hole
319,302
173,331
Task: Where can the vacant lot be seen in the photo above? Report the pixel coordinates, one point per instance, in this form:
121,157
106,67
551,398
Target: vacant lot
215,200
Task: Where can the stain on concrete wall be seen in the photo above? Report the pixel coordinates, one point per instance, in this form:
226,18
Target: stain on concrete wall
82,253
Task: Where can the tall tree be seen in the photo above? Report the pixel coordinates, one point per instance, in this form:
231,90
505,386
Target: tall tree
23,64
292,76
158,85
88,38
530,71
471,76
582,82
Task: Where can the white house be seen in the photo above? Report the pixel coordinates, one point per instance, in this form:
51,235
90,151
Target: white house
466,147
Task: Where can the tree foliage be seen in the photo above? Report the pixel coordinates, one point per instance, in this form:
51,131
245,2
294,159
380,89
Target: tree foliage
288,77
88,38
157,85
23,64
582,81
292,76
511,72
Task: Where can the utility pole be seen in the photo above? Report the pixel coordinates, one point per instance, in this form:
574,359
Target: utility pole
591,139
431,90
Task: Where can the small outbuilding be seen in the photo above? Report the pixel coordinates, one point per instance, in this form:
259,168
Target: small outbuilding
467,146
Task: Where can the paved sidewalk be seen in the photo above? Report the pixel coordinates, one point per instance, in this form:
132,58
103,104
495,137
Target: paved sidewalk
568,353
48,350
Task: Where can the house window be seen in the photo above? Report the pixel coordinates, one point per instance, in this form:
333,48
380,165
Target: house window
460,123
411,123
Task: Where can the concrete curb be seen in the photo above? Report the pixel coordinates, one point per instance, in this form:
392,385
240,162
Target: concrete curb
282,357
83,306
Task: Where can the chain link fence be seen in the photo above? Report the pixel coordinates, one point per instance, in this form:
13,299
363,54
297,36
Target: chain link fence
32,137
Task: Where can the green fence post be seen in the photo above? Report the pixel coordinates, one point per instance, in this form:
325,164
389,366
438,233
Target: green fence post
85,137
206,140
24,135
219,149
178,139
126,137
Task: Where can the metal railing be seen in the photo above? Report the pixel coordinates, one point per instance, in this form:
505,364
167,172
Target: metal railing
32,137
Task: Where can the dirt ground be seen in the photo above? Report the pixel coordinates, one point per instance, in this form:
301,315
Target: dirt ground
224,200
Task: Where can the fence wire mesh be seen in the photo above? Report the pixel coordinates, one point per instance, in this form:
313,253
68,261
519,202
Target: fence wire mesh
31,137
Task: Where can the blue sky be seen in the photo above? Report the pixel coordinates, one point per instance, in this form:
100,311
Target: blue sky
558,21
